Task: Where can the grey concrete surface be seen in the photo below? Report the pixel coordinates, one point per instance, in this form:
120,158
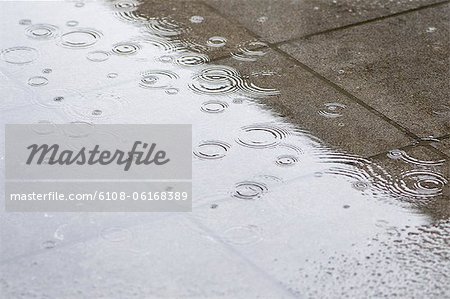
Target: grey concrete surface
309,102
281,20
398,65
444,146
212,25
276,214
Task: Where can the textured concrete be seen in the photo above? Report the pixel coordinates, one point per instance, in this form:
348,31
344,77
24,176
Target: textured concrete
213,25
398,65
303,97
443,146
280,20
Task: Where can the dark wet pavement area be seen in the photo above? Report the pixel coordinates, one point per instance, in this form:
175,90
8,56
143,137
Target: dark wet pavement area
320,146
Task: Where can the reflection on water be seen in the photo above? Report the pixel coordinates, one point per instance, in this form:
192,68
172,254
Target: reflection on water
269,189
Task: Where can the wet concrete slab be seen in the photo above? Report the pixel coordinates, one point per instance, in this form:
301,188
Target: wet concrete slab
423,167
286,203
319,108
399,66
283,20
443,145
203,29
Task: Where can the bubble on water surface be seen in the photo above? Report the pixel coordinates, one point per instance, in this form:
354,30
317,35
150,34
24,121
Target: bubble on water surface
42,31
214,106
287,160
262,19
262,136
196,19
37,81
98,56
80,38
19,55
212,149
249,190
332,110
126,48
72,23
216,41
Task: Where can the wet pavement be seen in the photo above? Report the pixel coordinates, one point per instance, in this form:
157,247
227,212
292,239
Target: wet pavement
320,158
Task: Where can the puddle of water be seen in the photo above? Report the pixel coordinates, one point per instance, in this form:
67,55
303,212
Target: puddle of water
262,185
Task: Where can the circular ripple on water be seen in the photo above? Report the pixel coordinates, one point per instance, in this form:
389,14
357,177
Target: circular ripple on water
422,184
103,106
212,149
245,53
243,235
98,56
216,41
192,59
116,234
131,16
214,106
58,98
397,154
42,31
19,55
360,185
125,5
157,79
332,110
37,81
80,38
287,160
223,80
262,136
216,80
126,48
249,190
44,127
165,27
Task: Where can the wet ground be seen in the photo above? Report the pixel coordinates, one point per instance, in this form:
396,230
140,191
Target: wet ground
321,145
